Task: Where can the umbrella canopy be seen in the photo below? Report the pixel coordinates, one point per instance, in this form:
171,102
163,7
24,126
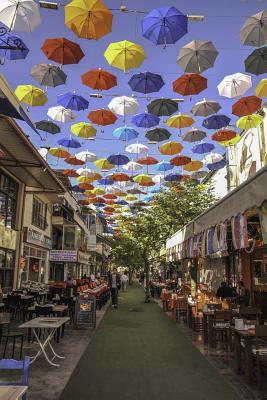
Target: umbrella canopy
61,114
77,189
99,79
72,101
158,135
142,178
118,159
147,161
202,148
164,166
212,158
136,148
165,25
180,160
124,105
216,121
86,186
98,191
189,84
20,15
173,178
131,198
31,95
62,51
105,181
88,19
197,56
193,165
254,30
85,179
83,129
17,48
125,55
120,177
146,82
69,143
58,152
158,179
110,196
223,135
180,121
72,160
84,171
48,75
47,126
246,106
103,164
102,117
217,165
145,120
86,156
171,148
231,142
125,133
256,62
204,108
71,173
261,88
132,166
199,174
249,121
234,85
162,107
195,135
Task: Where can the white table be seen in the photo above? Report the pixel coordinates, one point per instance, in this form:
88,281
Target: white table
51,324
12,392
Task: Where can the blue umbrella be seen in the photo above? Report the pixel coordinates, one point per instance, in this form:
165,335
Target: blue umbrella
155,190
72,101
118,159
146,82
164,25
216,165
125,133
145,120
149,197
77,189
203,148
122,202
69,142
105,181
100,205
164,166
173,178
16,48
217,121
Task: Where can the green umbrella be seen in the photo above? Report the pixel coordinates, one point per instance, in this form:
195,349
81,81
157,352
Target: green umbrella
47,126
256,62
194,135
48,75
158,135
162,107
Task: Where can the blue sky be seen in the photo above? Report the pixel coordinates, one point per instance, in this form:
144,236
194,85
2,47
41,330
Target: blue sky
221,24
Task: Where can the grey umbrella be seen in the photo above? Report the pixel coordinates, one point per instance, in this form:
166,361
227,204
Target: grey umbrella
195,135
47,126
204,108
254,30
199,174
197,56
48,75
256,62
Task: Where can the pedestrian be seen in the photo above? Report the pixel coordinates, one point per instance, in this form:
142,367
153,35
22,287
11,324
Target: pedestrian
142,278
244,294
224,291
114,284
124,281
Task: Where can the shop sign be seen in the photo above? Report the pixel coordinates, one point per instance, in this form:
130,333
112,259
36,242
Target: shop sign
63,255
8,238
34,237
83,258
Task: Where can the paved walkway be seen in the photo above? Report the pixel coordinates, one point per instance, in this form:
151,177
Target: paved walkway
138,353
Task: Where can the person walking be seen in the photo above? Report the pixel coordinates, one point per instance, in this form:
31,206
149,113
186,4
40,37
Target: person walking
124,281
114,284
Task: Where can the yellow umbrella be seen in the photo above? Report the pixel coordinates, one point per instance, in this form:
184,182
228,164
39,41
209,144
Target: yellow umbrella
31,95
119,193
89,19
142,178
89,194
98,191
125,55
131,198
249,121
83,129
103,164
231,142
171,148
261,88
58,152
193,165
180,121
85,179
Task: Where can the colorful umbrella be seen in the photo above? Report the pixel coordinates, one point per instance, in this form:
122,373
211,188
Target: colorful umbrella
84,130
72,160
261,88
85,179
197,56
216,121
118,159
193,165
86,186
58,152
77,189
202,148
125,55
254,30
164,166
47,126
136,148
189,84
99,79
72,101
159,178
217,165
180,160
195,135
145,120
147,161
131,198
171,148
256,62
223,135
31,95
199,174
246,106
98,191
124,105
249,121
204,108
230,142
20,15
180,121
83,202
69,143
120,177
164,25
162,107
86,156
84,171
48,75
103,164
15,49
234,85
71,173
125,133
102,117
105,181
173,178
146,82
158,135
110,196
88,19
61,114
142,178
62,51
212,158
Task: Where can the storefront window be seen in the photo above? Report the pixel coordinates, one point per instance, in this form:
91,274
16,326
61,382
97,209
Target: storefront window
8,201
7,265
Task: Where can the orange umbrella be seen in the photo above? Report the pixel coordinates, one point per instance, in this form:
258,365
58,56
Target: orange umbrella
189,84
83,202
110,196
110,202
99,200
120,177
102,117
70,173
180,160
223,135
171,148
246,106
58,152
151,183
109,209
99,79
74,161
62,51
193,165
147,161
86,186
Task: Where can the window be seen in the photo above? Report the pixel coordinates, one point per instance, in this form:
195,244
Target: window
7,265
8,201
39,214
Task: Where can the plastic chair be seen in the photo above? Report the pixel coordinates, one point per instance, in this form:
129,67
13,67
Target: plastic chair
9,364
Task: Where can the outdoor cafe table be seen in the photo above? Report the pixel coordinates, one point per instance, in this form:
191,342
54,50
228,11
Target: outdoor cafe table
12,392
51,325
247,336
57,309
208,317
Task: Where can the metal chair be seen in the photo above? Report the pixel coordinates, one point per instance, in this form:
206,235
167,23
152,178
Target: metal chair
9,364
7,335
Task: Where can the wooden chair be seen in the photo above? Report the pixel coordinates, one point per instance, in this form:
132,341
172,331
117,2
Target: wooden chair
221,330
259,351
23,366
181,310
250,312
7,335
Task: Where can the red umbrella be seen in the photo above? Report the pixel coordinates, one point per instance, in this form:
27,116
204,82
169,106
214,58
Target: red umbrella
110,196
180,160
70,173
83,202
147,161
109,210
246,106
120,177
189,84
148,183
74,161
110,202
86,186
62,51
99,79
223,135
99,200
102,117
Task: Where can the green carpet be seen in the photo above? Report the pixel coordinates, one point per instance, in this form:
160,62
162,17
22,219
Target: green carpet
138,353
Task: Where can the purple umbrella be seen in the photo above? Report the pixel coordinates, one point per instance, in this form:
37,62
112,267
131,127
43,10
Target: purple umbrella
77,189
72,101
118,159
146,82
12,47
105,181
69,142
145,120
203,148
217,121
216,165
173,178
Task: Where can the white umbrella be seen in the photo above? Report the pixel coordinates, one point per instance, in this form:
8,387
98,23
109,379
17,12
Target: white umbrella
124,105
132,166
136,148
43,151
86,156
212,158
159,178
61,114
20,15
127,185
234,85
84,171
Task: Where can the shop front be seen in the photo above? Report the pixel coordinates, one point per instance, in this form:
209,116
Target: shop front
68,262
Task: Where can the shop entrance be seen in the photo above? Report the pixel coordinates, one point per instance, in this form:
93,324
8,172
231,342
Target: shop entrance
34,269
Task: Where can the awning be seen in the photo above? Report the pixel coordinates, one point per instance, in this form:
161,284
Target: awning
180,236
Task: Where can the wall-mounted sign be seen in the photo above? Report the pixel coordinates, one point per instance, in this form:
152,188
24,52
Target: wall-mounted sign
63,255
83,258
8,238
34,237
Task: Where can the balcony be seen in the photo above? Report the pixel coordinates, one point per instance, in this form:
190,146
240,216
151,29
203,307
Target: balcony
40,221
64,212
